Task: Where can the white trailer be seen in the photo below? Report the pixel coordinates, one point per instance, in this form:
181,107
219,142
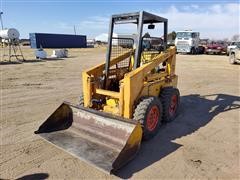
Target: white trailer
187,41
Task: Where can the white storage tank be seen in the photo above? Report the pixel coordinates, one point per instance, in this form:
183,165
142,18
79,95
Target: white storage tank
40,54
10,33
60,53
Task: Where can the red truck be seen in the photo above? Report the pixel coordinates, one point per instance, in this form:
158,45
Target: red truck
216,48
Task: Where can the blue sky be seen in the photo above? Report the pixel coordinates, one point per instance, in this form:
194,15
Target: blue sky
214,19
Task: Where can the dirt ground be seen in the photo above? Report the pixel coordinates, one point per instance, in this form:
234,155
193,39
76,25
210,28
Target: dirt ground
203,141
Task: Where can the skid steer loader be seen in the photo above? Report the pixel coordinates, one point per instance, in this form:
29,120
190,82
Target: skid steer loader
124,99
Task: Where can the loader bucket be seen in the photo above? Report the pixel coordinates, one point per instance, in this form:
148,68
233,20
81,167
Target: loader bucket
105,141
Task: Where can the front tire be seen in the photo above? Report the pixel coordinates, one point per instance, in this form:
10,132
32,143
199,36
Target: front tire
193,51
81,101
232,58
170,98
149,113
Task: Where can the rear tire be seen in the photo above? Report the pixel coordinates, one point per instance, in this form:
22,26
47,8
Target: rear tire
149,113
170,98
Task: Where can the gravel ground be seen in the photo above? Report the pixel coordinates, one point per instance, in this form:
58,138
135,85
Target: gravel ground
203,141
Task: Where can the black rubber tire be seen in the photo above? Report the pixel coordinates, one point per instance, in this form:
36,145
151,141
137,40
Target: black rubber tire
166,96
197,51
81,101
141,114
193,51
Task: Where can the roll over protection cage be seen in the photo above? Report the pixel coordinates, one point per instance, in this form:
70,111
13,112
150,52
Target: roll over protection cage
138,18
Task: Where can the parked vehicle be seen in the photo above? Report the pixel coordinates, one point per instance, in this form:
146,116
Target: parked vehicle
231,46
216,48
234,54
202,46
187,41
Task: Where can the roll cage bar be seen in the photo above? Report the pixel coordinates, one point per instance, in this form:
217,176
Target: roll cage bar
138,18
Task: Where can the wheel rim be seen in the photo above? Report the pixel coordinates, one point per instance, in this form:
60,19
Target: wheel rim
152,118
173,105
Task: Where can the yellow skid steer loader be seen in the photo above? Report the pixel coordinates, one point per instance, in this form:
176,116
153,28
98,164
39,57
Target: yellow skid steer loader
124,99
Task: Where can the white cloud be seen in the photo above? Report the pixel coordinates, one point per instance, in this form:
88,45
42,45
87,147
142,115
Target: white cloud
216,21
192,7
95,22
195,6
233,8
217,9
65,26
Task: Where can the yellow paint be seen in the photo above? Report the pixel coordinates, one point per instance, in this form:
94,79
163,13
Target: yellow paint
136,136
143,81
112,102
87,91
169,69
112,106
108,93
121,99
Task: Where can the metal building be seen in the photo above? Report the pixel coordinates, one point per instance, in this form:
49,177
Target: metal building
44,40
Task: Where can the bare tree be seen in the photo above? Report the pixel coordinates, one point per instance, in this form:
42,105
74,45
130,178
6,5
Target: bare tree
236,37
172,35
225,39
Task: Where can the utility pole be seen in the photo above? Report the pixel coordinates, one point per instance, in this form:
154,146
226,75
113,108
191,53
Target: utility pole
1,19
74,30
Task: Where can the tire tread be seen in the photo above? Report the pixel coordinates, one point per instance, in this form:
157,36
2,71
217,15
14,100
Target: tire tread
165,97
